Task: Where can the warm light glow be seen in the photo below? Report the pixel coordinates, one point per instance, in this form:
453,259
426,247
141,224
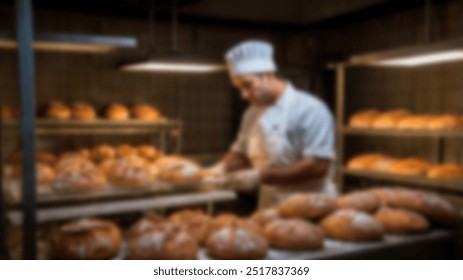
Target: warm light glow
60,46
173,67
424,59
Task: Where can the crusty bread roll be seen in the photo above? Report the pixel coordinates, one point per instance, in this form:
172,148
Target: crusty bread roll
295,234
386,195
125,150
179,170
352,225
58,111
265,216
196,222
415,122
401,221
235,242
44,174
308,206
102,152
363,201
132,171
363,119
145,112
371,161
148,152
116,111
84,152
107,166
389,119
87,239
163,242
410,166
144,225
71,161
227,219
447,121
79,176
446,171
83,111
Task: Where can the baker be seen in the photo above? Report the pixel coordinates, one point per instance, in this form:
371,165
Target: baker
285,144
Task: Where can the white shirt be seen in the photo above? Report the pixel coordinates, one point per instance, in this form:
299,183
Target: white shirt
298,122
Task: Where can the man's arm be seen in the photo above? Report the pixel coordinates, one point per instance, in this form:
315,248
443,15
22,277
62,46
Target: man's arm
234,161
297,173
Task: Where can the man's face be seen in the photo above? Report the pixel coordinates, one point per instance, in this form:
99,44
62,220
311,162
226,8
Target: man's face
254,88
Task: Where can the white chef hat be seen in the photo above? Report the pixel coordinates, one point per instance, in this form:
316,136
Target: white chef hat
250,57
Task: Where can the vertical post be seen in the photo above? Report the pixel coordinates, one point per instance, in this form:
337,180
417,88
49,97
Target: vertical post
340,115
24,33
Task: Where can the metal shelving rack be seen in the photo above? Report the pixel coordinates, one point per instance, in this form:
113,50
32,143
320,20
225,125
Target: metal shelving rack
343,131
33,209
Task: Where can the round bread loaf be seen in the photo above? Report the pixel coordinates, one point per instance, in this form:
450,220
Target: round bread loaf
352,225
58,111
84,152
102,152
308,206
295,234
235,242
196,222
83,111
371,161
386,195
126,150
447,171
227,219
132,171
145,112
163,242
144,225
87,239
265,216
363,119
410,167
148,152
401,221
178,170
72,161
107,166
116,111
389,119
415,122
447,121
79,176
363,201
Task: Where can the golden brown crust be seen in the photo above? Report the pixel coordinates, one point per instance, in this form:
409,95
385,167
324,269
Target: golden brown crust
144,225
79,176
308,206
148,152
447,121
58,111
389,119
163,242
401,221
126,150
132,171
83,111
265,216
415,122
196,222
352,225
447,171
363,119
235,242
116,111
179,170
410,167
371,161
145,112
87,239
295,234
102,152
360,200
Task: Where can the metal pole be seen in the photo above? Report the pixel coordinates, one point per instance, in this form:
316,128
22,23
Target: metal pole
24,33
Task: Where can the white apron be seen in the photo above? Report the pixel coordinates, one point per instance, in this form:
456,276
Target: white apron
269,150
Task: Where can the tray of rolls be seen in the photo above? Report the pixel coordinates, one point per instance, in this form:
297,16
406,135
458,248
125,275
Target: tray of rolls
104,172
304,225
400,119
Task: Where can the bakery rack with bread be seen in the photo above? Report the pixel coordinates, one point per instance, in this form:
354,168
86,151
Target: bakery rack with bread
413,121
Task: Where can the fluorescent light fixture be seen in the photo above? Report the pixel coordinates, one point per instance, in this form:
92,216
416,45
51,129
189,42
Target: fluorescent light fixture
164,66
78,43
432,53
424,59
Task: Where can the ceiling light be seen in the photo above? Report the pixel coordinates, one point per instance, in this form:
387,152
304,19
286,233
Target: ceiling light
424,59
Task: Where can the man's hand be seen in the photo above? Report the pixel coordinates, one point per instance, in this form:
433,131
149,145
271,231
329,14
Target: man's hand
244,180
